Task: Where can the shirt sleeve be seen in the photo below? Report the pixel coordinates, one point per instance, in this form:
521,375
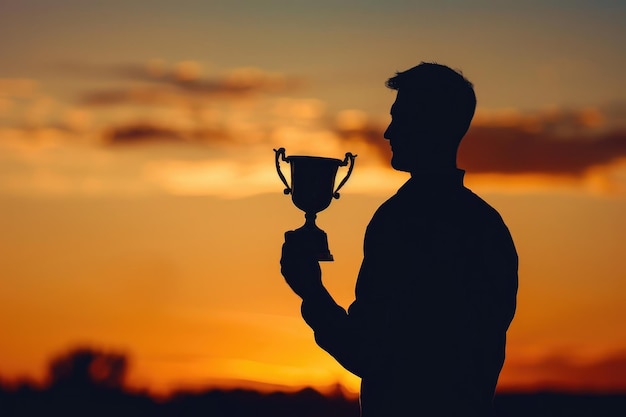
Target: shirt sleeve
356,338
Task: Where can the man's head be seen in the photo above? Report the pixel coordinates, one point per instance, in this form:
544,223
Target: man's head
432,112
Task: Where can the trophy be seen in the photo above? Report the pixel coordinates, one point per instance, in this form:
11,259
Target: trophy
312,190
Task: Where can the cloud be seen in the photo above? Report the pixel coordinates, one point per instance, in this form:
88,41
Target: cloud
501,151
511,142
605,374
206,131
273,121
511,150
130,95
139,133
156,83
187,76
553,141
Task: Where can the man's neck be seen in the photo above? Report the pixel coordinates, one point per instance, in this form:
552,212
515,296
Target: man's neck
440,178
434,171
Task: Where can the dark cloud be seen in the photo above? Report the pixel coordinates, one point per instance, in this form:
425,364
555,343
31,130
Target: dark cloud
518,149
511,150
148,133
140,134
607,374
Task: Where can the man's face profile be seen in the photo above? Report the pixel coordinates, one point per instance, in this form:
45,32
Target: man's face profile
407,134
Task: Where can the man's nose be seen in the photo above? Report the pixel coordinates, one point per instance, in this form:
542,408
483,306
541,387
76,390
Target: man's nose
387,134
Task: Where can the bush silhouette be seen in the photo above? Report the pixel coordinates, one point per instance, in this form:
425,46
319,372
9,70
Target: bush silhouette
87,367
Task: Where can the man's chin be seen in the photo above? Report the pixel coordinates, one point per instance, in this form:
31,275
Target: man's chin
400,165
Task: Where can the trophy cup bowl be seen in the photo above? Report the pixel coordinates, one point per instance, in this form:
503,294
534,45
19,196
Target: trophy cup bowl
312,189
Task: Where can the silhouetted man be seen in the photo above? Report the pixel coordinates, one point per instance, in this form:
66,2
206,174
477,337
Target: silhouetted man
437,287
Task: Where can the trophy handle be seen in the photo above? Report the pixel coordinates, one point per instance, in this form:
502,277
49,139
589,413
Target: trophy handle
349,158
281,152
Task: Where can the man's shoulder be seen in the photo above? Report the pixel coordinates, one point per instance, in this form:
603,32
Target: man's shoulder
476,202
460,203
488,222
391,207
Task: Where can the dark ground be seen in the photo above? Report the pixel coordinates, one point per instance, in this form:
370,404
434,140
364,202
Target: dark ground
88,382
102,401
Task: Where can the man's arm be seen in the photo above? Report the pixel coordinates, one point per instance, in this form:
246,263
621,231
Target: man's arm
353,339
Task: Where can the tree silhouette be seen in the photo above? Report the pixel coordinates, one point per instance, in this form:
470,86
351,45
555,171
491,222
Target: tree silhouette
87,367
90,382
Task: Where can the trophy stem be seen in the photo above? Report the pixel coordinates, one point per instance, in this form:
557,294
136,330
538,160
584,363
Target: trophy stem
310,220
311,236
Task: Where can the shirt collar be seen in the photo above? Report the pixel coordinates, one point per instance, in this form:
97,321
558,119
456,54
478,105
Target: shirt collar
440,181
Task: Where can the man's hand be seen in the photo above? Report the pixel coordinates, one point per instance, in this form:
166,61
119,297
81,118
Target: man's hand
300,268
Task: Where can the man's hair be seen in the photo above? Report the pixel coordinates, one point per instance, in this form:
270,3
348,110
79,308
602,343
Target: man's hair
439,93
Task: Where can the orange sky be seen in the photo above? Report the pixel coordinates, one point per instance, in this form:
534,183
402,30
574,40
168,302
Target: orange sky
140,210
190,287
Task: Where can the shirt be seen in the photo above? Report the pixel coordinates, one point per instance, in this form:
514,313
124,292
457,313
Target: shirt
435,295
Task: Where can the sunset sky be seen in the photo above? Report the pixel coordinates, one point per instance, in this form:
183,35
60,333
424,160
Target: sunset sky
140,210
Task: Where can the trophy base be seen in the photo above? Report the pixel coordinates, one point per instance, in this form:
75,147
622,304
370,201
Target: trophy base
313,239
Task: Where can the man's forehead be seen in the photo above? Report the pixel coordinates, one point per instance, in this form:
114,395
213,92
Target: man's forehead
407,102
